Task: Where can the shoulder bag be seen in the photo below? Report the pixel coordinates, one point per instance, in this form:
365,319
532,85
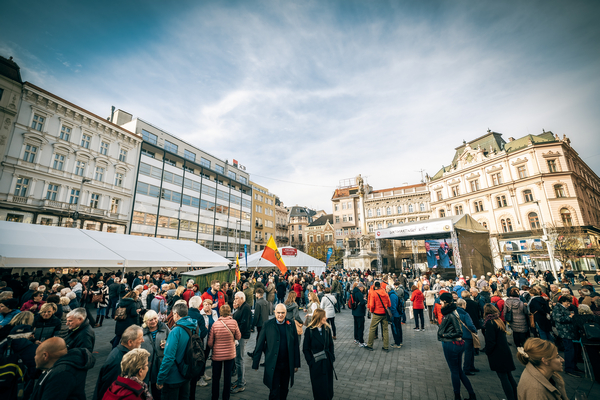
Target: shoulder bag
476,341
388,312
225,325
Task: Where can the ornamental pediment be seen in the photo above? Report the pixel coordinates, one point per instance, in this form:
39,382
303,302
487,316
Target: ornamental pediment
438,187
453,181
494,169
472,176
519,161
551,154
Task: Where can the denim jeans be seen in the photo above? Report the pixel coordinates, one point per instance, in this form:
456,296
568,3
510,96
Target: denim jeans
544,335
178,391
239,362
453,354
569,355
469,364
397,330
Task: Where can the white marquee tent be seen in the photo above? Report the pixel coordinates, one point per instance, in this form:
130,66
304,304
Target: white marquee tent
301,259
40,246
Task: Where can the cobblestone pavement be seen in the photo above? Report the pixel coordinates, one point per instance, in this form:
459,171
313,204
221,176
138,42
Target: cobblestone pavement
416,371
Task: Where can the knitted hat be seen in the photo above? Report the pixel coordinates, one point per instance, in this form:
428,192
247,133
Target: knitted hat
11,304
446,297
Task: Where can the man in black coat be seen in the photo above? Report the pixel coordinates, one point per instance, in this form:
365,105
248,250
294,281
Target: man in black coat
282,356
281,289
64,371
243,317
132,339
116,290
80,333
359,314
261,313
472,308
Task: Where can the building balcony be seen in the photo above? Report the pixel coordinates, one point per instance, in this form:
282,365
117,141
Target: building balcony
19,200
258,226
281,226
259,240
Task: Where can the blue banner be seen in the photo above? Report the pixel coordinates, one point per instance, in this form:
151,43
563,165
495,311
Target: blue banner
246,255
329,253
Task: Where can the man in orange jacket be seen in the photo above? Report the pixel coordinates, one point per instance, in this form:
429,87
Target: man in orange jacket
379,301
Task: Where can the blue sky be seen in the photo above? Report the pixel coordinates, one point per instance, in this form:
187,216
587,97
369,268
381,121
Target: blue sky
306,93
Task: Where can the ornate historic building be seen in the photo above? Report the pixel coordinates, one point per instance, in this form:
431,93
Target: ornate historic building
300,217
513,187
282,216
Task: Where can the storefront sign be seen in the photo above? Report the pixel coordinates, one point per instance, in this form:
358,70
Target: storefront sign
289,252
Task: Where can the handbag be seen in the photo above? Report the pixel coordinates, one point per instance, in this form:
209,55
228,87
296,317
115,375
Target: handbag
299,328
508,314
320,356
388,312
531,318
476,341
236,341
97,298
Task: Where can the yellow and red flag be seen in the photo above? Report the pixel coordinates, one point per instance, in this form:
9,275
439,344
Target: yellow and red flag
237,268
270,253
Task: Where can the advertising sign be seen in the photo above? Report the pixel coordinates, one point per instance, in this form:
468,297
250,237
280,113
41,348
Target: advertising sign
439,254
289,252
425,228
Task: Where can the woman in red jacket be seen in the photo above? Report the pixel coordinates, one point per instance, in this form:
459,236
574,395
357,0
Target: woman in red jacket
499,301
298,289
130,384
418,303
35,303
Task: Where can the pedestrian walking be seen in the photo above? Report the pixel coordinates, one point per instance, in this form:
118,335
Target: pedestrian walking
450,334
497,350
429,301
541,379
418,305
127,314
261,313
319,353
194,313
210,317
282,356
328,304
222,340
359,313
377,303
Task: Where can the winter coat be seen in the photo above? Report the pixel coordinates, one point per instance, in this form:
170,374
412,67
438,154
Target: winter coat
104,292
116,291
153,347
496,347
81,337
109,371
46,328
30,303
194,314
466,320
474,312
159,304
243,317
321,372
534,386
430,297
499,304
174,352
125,389
417,299
327,304
261,313
482,299
281,289
581,319
298,289
563,322
5,319
25,349
221,341
450,329
519,321
65,380
219,298
540,309
377,306
132,316
359,298
268,342
207,323
271,292
395,304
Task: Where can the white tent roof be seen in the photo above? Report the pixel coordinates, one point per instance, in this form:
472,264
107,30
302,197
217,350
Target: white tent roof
40,246
300,260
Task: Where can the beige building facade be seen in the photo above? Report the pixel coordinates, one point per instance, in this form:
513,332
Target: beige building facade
513,187
300,218
282,217
263,217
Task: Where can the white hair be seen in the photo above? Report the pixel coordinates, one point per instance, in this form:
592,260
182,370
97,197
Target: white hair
34,285
79,313
241,295
195,302
71,296
139,287
64,291
565,291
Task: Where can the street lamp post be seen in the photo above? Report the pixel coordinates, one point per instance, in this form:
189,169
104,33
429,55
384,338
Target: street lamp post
550,241
76,213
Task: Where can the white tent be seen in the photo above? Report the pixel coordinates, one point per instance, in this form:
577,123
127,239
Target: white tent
301,259
40,246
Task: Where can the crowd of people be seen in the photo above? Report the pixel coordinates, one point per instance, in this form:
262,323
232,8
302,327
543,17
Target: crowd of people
167,332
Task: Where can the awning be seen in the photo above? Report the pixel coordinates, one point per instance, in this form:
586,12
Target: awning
439,228
40,246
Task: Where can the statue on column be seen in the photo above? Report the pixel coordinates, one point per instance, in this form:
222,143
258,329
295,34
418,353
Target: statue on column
360,182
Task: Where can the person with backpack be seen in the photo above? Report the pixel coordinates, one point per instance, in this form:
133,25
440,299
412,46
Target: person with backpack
397,309
222,339
17,356
127,314
359,311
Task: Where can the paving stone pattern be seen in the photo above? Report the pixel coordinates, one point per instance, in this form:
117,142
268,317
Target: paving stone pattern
416,371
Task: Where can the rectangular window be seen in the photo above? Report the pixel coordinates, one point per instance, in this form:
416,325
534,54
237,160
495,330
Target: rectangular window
219,169
80,168
30,152
65,133
497,179
243,180
59,162
74,198
85,141
142,188
522,172
149,137
148,153
104,148
99,174
38,122
455,191
52,192
231,174
119,179
170,162
189,155
475,185
458,210
172,147
438,196
501,201
204,162
123,155
114,205
145,169
94,200
478,206
552,166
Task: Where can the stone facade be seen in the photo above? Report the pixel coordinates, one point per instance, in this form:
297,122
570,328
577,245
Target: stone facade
282,216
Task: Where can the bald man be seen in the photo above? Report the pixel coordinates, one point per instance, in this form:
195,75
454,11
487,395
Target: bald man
64,371
282,356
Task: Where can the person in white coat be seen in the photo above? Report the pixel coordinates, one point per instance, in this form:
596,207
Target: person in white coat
328,304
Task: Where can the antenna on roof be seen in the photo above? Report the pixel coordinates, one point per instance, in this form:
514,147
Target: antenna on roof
421,171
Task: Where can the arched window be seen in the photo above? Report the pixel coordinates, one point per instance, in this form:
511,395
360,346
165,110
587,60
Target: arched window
399,209
509,224
379,212
565,215
559,191
506,225
442,213
389,211
534,221
370,212
411,208
528,196
422,206
484,224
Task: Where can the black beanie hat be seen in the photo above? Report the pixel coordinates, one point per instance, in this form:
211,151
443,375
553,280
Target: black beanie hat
11,304
447,297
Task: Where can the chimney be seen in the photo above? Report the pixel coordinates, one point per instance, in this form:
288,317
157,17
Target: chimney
121,117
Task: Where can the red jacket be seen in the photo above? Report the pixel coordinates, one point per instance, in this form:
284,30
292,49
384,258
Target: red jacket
187,295
500,305
124,389
298,289
437,311
418,300
30,303
208,296
375,305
